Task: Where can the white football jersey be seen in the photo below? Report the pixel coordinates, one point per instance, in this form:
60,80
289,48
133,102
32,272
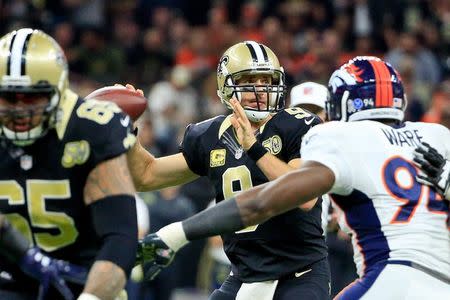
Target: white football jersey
389,215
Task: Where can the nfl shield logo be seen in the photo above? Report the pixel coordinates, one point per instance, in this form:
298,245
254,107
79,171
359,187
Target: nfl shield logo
26,162
238,153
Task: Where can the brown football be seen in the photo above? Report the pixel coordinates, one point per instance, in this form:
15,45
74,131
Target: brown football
129,101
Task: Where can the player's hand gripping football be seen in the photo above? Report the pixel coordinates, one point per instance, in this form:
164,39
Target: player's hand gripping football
435,169
154,255
51,272
242,126
131,88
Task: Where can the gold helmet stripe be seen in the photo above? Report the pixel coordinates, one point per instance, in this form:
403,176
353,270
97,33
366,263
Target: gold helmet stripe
259,54
16,61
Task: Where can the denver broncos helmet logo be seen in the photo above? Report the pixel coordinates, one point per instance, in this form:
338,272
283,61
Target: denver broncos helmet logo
355,72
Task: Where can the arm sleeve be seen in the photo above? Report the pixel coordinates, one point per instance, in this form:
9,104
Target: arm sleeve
321,146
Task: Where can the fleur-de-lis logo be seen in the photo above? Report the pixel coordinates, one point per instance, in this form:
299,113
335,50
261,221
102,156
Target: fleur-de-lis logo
75,153
221,68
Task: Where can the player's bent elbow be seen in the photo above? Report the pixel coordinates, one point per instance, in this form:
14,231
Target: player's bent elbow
143,182
142,186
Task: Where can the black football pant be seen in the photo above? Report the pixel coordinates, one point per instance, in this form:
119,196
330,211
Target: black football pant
312,285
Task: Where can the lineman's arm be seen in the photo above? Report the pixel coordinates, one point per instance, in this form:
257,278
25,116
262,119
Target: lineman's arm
151,173
251,207
261,203
109,193
273,168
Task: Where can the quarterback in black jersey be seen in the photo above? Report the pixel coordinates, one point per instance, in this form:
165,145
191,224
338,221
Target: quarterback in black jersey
260,141
64,182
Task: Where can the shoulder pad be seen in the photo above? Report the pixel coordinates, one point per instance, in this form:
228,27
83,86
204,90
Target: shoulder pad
196,129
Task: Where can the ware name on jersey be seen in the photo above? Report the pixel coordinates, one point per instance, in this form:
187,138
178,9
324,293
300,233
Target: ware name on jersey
388,213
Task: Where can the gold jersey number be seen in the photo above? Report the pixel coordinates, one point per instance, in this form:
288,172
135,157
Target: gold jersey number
37,191
242,175
98,111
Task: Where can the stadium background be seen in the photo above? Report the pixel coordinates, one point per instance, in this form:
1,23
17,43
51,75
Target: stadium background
170,50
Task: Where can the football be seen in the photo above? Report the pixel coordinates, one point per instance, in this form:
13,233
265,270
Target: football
131,102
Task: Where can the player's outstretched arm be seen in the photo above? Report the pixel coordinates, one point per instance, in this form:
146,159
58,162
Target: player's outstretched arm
150,173
109,193
248,208
435,169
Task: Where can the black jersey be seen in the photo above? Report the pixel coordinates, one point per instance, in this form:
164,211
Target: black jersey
41,185
283,244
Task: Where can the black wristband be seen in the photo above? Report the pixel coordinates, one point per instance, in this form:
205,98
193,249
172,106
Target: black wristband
13,245
256,151
135,131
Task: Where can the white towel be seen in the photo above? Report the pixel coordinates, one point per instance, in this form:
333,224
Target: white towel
257,290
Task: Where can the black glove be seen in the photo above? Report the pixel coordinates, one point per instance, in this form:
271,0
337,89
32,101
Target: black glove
154,255
435,169
51,272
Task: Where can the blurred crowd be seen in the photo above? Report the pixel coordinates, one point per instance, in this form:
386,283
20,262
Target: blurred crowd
171,48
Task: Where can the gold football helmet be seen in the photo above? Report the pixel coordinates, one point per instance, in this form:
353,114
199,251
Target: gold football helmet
251,58
33,76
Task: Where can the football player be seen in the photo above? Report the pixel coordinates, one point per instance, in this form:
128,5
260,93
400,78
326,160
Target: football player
285,257
64,182
364,159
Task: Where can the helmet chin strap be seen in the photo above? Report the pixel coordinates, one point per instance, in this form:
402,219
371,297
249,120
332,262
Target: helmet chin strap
256,116
23,138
